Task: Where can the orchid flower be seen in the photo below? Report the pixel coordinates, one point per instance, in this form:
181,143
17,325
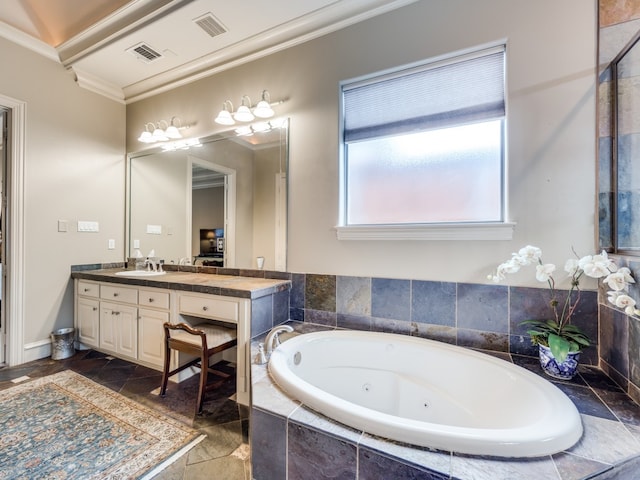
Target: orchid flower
544,271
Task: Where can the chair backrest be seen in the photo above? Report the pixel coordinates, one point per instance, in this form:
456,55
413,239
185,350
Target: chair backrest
168,327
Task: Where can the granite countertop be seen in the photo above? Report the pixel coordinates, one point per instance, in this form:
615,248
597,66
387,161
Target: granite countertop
215,284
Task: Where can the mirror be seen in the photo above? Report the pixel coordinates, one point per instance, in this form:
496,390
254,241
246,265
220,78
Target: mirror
220,202
626,170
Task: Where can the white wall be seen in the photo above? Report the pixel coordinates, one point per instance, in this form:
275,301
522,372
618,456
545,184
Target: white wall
73,170
551,129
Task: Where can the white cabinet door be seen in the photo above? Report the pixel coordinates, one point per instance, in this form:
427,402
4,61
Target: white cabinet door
119,329
151,336
127,339
88,318
108,326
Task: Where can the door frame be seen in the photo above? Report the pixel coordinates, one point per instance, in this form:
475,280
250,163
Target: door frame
14,233
229,206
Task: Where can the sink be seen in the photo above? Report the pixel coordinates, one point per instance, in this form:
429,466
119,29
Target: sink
139,273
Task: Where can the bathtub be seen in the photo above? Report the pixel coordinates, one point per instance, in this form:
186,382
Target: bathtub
426,393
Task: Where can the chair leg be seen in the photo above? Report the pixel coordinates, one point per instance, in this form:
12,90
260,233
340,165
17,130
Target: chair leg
165,371
204,364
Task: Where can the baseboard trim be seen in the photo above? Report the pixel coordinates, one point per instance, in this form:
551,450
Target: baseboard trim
36,350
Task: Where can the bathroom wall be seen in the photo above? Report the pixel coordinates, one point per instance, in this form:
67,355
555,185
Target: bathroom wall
551,122
73,170
619,22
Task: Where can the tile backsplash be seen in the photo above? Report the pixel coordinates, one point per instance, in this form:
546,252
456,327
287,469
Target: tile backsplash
471,315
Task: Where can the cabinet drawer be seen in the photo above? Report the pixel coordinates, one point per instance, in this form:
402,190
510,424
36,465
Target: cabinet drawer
88,289
153,298
119,294
210,307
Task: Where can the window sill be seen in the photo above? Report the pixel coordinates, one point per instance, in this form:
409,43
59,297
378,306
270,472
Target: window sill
460,231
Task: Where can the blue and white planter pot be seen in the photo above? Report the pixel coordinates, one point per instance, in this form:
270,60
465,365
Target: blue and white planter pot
564,371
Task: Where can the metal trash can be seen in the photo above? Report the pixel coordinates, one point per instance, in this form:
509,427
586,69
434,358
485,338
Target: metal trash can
62,344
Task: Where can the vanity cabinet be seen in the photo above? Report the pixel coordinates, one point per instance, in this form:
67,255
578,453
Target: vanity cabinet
88,313
125,321
125,317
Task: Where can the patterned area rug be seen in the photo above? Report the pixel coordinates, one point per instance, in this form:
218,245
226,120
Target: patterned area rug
66,426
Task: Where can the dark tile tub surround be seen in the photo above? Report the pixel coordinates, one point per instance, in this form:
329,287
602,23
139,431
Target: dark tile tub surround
472,315
292,442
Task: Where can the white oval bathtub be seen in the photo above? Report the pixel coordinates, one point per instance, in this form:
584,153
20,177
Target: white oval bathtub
426,393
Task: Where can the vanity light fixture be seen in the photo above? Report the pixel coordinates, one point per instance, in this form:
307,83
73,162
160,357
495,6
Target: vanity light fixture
146,136
245,112
157,134
224,117
263,108
172,131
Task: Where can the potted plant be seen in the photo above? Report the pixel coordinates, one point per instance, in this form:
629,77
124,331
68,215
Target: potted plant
560,342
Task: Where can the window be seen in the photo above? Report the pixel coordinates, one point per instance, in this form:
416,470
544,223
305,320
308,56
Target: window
424,146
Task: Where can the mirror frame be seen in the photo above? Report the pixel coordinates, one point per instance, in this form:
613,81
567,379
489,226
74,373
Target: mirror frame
619,109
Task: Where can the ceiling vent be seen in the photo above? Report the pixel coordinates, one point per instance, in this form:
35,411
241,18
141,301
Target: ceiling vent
144,52
210,24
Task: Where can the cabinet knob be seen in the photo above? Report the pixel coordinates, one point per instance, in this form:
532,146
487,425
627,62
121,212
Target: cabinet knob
95,308
115,294
87,289
150,300
205,308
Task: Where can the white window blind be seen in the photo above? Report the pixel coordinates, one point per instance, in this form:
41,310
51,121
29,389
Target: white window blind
430,97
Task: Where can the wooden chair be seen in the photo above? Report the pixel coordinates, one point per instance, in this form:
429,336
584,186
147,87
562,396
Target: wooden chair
202,340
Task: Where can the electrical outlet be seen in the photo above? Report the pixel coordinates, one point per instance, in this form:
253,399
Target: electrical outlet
63,225
112,244
136,244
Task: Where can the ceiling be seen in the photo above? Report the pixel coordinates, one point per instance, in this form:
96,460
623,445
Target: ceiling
131,49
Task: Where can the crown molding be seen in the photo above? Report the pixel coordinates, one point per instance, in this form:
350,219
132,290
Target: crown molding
27,41
97,85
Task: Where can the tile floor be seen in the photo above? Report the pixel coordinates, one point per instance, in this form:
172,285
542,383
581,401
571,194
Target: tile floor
223,454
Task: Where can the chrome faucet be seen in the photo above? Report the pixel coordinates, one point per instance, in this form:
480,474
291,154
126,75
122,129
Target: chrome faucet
273,338
152,264
272,341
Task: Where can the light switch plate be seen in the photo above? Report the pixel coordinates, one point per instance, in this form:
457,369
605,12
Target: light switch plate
112,244
63,225
136,244
85,226
154,229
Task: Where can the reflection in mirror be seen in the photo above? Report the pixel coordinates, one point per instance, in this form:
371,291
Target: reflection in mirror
626,180
223,203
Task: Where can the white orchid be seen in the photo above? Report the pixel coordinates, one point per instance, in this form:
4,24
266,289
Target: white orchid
557,333
528,255
571,266
597,266
544,271
623,302
619,280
